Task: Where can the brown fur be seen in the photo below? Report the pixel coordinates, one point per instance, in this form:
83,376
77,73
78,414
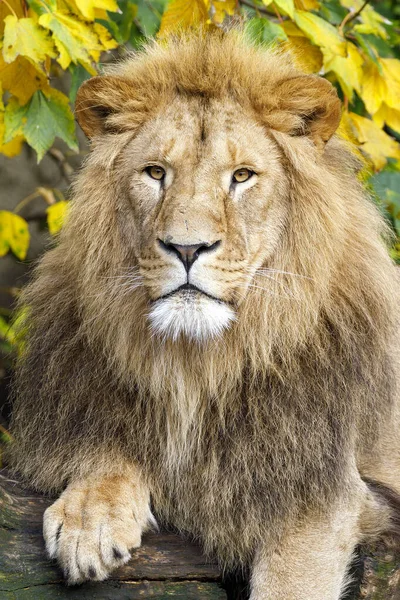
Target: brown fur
244,435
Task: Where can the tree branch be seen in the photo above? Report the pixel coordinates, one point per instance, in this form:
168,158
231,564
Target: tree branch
256,8
351,16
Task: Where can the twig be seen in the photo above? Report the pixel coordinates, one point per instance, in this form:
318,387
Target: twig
62,162
13,291
256,8
278,15
26,201
351,16
10,8
40,192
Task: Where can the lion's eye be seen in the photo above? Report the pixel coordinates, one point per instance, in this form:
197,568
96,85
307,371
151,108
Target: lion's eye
155,172
242,175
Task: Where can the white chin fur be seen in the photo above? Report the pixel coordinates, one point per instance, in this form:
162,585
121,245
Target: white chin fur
195,316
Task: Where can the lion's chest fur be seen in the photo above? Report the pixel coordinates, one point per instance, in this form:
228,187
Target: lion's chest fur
234,476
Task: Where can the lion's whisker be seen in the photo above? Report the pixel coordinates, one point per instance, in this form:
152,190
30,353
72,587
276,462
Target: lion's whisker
279,272
263,289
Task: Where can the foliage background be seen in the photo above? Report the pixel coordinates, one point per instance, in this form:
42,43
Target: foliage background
49,47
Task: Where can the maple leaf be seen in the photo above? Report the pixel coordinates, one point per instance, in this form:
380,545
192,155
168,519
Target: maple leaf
45,117
182,14
372,140
23,37
388,115
348,69
320,32
21,78
88,7
75,40
306,55
14,234
381,83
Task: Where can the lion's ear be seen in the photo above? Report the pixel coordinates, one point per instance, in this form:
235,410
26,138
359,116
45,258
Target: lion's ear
308,105
98,100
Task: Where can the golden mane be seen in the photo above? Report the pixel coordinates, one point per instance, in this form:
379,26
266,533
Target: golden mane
92,361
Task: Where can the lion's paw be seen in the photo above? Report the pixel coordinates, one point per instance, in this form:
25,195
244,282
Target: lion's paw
93,526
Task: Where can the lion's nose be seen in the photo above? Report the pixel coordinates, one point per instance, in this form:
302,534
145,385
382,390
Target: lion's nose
190,253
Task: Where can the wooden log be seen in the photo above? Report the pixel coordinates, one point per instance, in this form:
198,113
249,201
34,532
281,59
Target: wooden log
166,565
381,580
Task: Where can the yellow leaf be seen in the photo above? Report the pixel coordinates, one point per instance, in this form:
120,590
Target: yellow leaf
348,70
105,39
371,21
24,37
12,148
286,6
388,115
76,40
320,32
306,56
373,141
391,73
218,9
14,234
384,86
306,4
291,29
56,214
21,78
182,14
374,88
87,7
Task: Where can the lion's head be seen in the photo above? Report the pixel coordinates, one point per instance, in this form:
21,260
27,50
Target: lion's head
189,134
215,206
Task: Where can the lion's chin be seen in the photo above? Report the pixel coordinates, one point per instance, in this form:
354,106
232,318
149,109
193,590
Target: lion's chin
192,315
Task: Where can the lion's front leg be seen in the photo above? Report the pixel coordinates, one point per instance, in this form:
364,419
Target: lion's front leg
312,562
95,522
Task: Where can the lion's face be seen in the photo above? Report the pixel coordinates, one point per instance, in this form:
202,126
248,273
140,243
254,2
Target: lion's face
194,131
206,189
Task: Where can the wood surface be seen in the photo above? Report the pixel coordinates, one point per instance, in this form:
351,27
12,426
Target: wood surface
166,566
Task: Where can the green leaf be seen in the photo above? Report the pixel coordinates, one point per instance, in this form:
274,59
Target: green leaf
40,7
78,76
14,119
381,46
112,27
120,24
149,16
333,12
45,117
368,48
263,31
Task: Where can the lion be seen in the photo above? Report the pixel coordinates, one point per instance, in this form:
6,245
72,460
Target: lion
213,341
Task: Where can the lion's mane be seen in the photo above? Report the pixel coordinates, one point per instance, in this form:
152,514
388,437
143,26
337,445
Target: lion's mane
275,408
